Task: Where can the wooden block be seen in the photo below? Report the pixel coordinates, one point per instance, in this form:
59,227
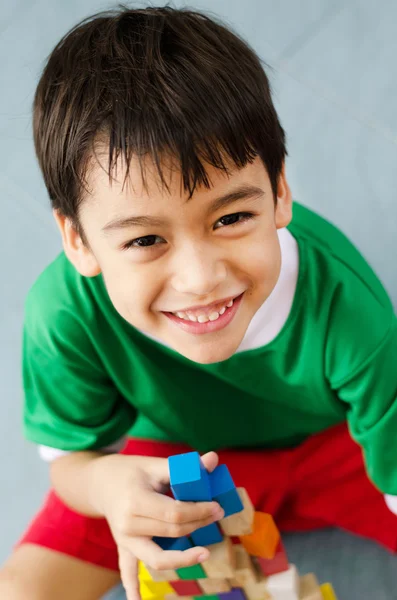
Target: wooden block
234,594
328,592
284,586
309,588
206,536
175,597
240,523
189,478
159,588
149,594
265,537
190,573
166,543
205,597
222,561
186,588
244,573
166,575
224,491
214,586
257,591
277,564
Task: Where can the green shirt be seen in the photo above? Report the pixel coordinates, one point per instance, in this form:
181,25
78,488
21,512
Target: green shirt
90,377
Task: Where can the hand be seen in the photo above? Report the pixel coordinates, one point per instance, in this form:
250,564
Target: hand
130,494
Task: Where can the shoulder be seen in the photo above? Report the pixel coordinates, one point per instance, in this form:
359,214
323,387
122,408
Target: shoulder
60,302
351,307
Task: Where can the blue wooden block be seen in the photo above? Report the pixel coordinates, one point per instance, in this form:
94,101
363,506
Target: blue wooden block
205,536
224,491
189,478
181,543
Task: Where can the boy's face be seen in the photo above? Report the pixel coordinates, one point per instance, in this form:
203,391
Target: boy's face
172,267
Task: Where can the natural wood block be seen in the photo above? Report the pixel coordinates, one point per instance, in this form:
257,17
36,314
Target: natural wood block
167,575
265,537
214,586
176,597
244,571
257,590
222,561
239,523
309,588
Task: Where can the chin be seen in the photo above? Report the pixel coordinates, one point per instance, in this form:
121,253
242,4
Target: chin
210,354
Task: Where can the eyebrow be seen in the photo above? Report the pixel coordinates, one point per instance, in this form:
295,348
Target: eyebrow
243,192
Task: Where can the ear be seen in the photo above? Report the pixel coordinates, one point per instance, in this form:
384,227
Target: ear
77,252
283,212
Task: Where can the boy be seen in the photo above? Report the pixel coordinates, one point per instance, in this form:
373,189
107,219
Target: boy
189,309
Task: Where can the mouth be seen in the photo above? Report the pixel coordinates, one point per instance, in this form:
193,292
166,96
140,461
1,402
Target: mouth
214,318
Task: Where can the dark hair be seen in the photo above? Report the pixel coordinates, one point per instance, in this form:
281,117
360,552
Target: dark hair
146,82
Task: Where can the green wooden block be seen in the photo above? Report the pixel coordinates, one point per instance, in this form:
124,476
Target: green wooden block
194,572
205,597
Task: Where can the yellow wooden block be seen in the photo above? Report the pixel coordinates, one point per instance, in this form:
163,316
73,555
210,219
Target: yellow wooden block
222,561
240,523
146,593
159,588
143,572
328,592
309,588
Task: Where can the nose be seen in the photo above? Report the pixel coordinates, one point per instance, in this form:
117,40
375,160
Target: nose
198,270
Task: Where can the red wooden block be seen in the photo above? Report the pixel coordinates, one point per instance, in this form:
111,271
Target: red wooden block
186,588
275,565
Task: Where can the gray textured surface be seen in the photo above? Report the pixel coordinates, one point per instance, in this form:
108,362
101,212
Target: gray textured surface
335,86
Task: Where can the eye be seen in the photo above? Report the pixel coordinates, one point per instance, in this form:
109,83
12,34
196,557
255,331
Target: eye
234,219
144,242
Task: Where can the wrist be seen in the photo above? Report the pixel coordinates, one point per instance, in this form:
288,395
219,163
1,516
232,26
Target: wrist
100,482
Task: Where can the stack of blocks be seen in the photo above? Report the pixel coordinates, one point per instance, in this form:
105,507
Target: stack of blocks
247,558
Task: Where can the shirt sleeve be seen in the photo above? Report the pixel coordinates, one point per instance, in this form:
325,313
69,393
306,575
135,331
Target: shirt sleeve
361,362
70,403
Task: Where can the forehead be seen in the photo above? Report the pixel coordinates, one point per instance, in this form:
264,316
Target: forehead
142,186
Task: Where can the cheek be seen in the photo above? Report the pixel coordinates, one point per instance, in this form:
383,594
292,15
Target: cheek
261,261
132,289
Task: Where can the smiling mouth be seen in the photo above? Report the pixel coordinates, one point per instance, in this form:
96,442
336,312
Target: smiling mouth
217,317
203,315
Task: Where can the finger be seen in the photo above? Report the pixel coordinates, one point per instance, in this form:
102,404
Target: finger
128,564
210,460
163,508
143,526
156,558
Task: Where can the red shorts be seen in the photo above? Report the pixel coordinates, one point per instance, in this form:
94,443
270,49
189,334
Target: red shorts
321,483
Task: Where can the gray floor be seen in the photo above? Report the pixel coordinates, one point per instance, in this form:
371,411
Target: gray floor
334,79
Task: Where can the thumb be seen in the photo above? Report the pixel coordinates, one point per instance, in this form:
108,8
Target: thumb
210,460
128,565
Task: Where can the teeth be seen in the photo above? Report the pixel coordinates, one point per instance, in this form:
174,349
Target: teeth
213,316
202,319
